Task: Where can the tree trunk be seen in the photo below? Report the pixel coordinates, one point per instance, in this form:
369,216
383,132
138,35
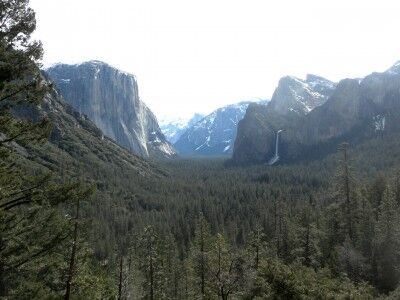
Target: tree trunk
202,262
347,192
120,278
151,277
73,255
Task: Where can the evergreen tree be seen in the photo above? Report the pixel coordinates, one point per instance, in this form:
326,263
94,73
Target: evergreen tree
388,243
346,194
228,269
200,258
397,188
257,246
307,249
376,193
151,264
367,234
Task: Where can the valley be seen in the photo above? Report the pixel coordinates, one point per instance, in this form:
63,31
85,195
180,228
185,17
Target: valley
296,197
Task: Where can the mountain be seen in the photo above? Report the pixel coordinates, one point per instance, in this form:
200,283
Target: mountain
173,129
77,147
353,110
294,95
110,98
214,134
293,99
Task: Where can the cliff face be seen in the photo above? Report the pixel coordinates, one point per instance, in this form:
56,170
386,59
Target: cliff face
76,146
254,134
110,98
297,96
293,99
353,110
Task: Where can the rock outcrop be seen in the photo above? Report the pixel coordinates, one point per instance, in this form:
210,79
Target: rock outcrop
77,146
110,98
292,100
318,119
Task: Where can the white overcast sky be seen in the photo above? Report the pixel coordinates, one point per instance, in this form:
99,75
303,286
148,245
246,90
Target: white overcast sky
194,56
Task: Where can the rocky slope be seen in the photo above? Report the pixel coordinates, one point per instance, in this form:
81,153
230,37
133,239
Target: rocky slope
297,96
77,148
173,129
353,110
110,98
215,134
293,99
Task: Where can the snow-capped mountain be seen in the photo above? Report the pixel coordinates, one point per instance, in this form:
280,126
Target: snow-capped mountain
110,98
215,134
310,118
292,100
173,129
294,95
395,69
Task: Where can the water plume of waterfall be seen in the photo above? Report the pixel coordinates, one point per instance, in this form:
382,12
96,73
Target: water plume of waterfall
275,158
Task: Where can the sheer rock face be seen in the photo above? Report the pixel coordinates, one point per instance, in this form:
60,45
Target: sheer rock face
76,144
110,98
253,137
293,99
297,96
353,110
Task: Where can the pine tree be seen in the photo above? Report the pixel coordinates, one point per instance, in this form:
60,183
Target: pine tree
151,264
346,193
307,249
171,268
377,192
283,233
367,231
388,243
257,246
24,200
228,269
200,258
20,81
397,188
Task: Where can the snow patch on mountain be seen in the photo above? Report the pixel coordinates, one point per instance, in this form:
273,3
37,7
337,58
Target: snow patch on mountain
215,133
395,69
301,96
379,122
174,128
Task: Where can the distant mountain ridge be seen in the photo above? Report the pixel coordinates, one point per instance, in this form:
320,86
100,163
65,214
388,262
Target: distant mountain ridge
213,135
173,129
294,95
110,98
314,118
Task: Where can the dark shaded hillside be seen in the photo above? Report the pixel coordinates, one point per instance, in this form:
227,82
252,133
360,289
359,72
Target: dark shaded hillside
77,146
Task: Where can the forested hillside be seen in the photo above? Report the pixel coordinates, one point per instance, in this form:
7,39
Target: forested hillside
83,218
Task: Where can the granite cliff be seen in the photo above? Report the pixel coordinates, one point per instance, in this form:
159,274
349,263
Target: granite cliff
110,98
315,115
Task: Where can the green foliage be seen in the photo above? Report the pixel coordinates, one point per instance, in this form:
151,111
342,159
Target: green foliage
201,230
33,231
276,280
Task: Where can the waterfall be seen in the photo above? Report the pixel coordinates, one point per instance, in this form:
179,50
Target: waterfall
275,158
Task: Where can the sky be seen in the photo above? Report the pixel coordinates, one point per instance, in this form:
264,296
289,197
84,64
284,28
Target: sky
195,56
